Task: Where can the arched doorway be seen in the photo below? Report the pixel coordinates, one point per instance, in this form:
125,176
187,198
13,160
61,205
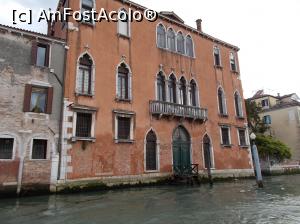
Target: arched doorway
151,151
181,150
207,152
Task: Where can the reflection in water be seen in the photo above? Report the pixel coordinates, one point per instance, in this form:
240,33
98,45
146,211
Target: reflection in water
238,202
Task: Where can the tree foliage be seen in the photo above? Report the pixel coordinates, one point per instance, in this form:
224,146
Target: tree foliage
255,123
269,146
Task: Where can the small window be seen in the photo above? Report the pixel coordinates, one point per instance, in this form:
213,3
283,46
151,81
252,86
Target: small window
217,56
160,87
123,89
171,40
265,103
242,137
238,105
222,102
38,99
172,89
180,43
39,149
189,46
225,135
41,55
161,36
84,76
83,125
6,148
123,23
124,126
267,120
233,66
87,6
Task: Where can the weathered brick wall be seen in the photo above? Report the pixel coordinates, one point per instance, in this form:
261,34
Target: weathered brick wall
16,70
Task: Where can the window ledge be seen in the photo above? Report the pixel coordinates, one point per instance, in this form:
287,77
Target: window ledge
7,160
83,94
87,139
224,115
244,146
124,141
218,67
123,100
123,36
151,171
234,72
240,118
226,146
39,160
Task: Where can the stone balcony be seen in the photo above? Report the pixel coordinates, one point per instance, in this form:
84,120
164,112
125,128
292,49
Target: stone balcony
161,108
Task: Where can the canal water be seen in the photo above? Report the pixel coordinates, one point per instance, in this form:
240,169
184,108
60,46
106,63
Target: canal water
234,202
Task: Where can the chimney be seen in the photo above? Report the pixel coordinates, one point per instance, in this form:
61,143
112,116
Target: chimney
278,94
199,24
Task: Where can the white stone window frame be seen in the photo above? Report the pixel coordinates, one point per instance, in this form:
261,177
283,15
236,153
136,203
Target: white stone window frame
167,43
157,153
118,98
220,56
184,44
76,138
211,152
157,44
197,93
224,100
241,115
193,43
125,114
229,135
166,85
93,71
81,10
176,88
8,136
246,137
128,35
48,153
233,54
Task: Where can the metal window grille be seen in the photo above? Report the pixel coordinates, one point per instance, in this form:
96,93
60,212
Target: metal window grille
6,148
83,125
39,149
124,124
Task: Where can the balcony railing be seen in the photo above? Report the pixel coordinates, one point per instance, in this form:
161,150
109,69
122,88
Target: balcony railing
177,110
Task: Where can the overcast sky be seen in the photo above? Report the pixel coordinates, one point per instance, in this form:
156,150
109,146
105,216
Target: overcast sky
267,31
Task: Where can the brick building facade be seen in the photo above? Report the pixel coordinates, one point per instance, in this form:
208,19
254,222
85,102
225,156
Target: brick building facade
31,81
144,99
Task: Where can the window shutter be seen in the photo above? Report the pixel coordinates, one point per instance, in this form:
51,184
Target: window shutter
49,100
47,57
27,98
33,52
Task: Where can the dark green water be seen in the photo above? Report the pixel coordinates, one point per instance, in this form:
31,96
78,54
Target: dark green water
236,202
